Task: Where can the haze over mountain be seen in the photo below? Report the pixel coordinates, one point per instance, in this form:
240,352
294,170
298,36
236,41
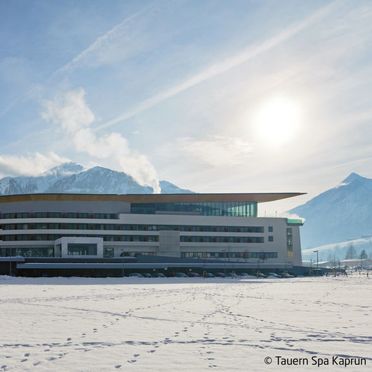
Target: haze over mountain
339,214
73,178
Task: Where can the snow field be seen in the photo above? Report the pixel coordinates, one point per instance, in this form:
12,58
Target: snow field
132,324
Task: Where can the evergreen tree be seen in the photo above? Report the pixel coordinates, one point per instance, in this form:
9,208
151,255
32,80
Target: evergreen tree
363,255
350,253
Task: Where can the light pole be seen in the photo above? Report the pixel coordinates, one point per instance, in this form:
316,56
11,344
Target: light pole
317,258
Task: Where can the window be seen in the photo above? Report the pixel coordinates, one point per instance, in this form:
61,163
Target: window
289,241
132,227
82,249
271,238
231,255
271,229
108,252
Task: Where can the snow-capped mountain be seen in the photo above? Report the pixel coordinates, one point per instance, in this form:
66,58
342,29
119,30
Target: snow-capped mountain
73,178
339,214
66,169
170,188
39,184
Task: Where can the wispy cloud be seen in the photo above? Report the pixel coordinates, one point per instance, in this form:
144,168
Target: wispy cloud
102,42
95,53
222,67
29,165
71,112
216,151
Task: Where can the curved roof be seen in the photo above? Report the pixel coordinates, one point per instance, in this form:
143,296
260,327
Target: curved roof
154,198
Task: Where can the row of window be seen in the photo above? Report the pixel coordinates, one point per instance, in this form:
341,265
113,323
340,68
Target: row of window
27,252
132,227
240,255
141,238
107,238
104,216
49,252
109,252
222,239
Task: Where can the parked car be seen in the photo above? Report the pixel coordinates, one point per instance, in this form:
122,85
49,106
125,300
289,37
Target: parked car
273,275
158,275
286,275
136,275
180,274
260,275
221,275
193,274
246,276
209,275
147,275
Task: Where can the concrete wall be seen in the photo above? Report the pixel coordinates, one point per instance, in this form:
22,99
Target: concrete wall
169,243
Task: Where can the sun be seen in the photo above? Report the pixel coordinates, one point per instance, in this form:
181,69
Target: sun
277,121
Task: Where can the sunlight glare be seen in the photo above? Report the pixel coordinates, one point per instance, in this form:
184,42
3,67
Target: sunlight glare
277,121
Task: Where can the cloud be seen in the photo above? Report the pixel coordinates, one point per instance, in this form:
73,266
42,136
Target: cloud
29,165
216,151
71,112
105,47
222,67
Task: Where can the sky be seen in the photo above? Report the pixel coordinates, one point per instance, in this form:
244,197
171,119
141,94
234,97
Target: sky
212,95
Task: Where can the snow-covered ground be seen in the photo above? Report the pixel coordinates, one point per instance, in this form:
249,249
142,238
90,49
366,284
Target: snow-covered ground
129,324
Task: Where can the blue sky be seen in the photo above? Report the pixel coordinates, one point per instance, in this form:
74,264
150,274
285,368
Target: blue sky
180,90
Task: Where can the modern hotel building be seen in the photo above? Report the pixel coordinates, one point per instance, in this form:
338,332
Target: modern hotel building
208,227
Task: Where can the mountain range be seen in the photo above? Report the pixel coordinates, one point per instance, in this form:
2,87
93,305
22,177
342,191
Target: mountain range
342,213
73,178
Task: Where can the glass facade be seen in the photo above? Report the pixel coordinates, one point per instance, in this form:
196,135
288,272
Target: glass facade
79,249
107,238
235,209
58,215
27,252
139,238
130,227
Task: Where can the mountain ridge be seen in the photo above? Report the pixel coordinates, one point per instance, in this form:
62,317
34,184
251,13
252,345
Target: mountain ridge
338,214
74,178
